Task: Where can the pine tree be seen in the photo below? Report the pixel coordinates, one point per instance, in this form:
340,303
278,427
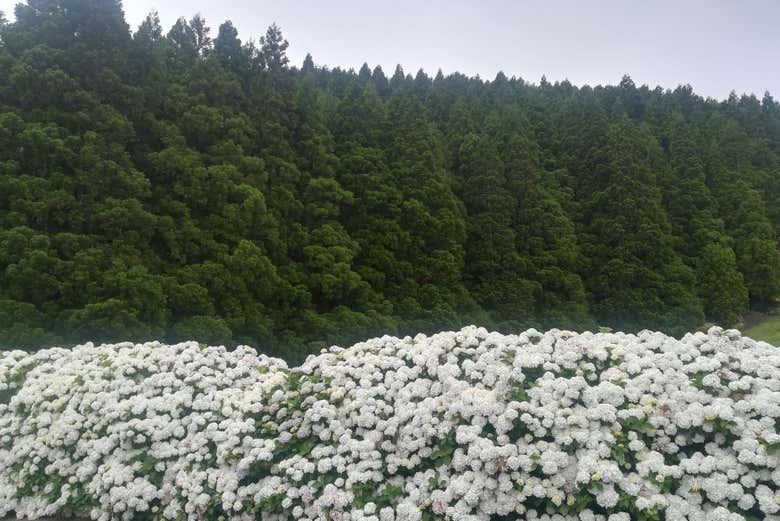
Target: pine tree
183,40
731,170
150,30
201,32
229,51
699,232
545,237
494,270
634,277
273,48
308,64
432,218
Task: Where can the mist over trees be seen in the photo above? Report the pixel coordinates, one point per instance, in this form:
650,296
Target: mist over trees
194,183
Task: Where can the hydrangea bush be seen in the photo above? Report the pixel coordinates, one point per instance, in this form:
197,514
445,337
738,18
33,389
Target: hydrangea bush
466,425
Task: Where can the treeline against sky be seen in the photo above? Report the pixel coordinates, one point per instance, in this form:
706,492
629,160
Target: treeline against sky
192,183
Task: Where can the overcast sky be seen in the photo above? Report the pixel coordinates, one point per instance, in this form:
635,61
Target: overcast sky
715,45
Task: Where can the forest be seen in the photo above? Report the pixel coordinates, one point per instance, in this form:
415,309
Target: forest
192,183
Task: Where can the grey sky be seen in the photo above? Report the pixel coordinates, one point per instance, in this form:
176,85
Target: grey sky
716,46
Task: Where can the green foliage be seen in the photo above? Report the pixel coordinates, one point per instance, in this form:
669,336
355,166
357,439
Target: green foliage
635,276
444,450
146,468
184,184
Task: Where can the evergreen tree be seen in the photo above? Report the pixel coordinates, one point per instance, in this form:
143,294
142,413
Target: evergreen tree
635,279
494,270
735,178
699,232
183,40
230,52
150,30
432,217
273,48
201,32
308,64
545,237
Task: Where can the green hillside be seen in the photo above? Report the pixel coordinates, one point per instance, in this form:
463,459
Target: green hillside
191,183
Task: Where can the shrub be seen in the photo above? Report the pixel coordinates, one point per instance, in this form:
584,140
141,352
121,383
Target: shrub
465,425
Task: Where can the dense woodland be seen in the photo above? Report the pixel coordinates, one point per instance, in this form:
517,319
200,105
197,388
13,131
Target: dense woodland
193,183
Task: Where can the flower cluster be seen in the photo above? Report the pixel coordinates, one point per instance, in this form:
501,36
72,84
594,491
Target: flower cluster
464,426
121,430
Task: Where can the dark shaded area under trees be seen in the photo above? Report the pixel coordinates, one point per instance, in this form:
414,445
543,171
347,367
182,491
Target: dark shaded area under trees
191,184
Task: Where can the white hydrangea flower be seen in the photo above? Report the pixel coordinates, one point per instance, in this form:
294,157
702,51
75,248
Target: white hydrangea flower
462,425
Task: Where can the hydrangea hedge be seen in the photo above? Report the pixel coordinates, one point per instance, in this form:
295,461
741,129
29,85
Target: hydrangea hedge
465,425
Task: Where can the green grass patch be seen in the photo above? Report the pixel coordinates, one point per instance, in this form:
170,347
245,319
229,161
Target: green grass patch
768,330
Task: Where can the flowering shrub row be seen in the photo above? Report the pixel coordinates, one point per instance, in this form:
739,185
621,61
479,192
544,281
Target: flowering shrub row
465,425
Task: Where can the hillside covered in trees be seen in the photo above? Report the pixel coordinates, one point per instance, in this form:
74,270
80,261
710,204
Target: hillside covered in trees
192,183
